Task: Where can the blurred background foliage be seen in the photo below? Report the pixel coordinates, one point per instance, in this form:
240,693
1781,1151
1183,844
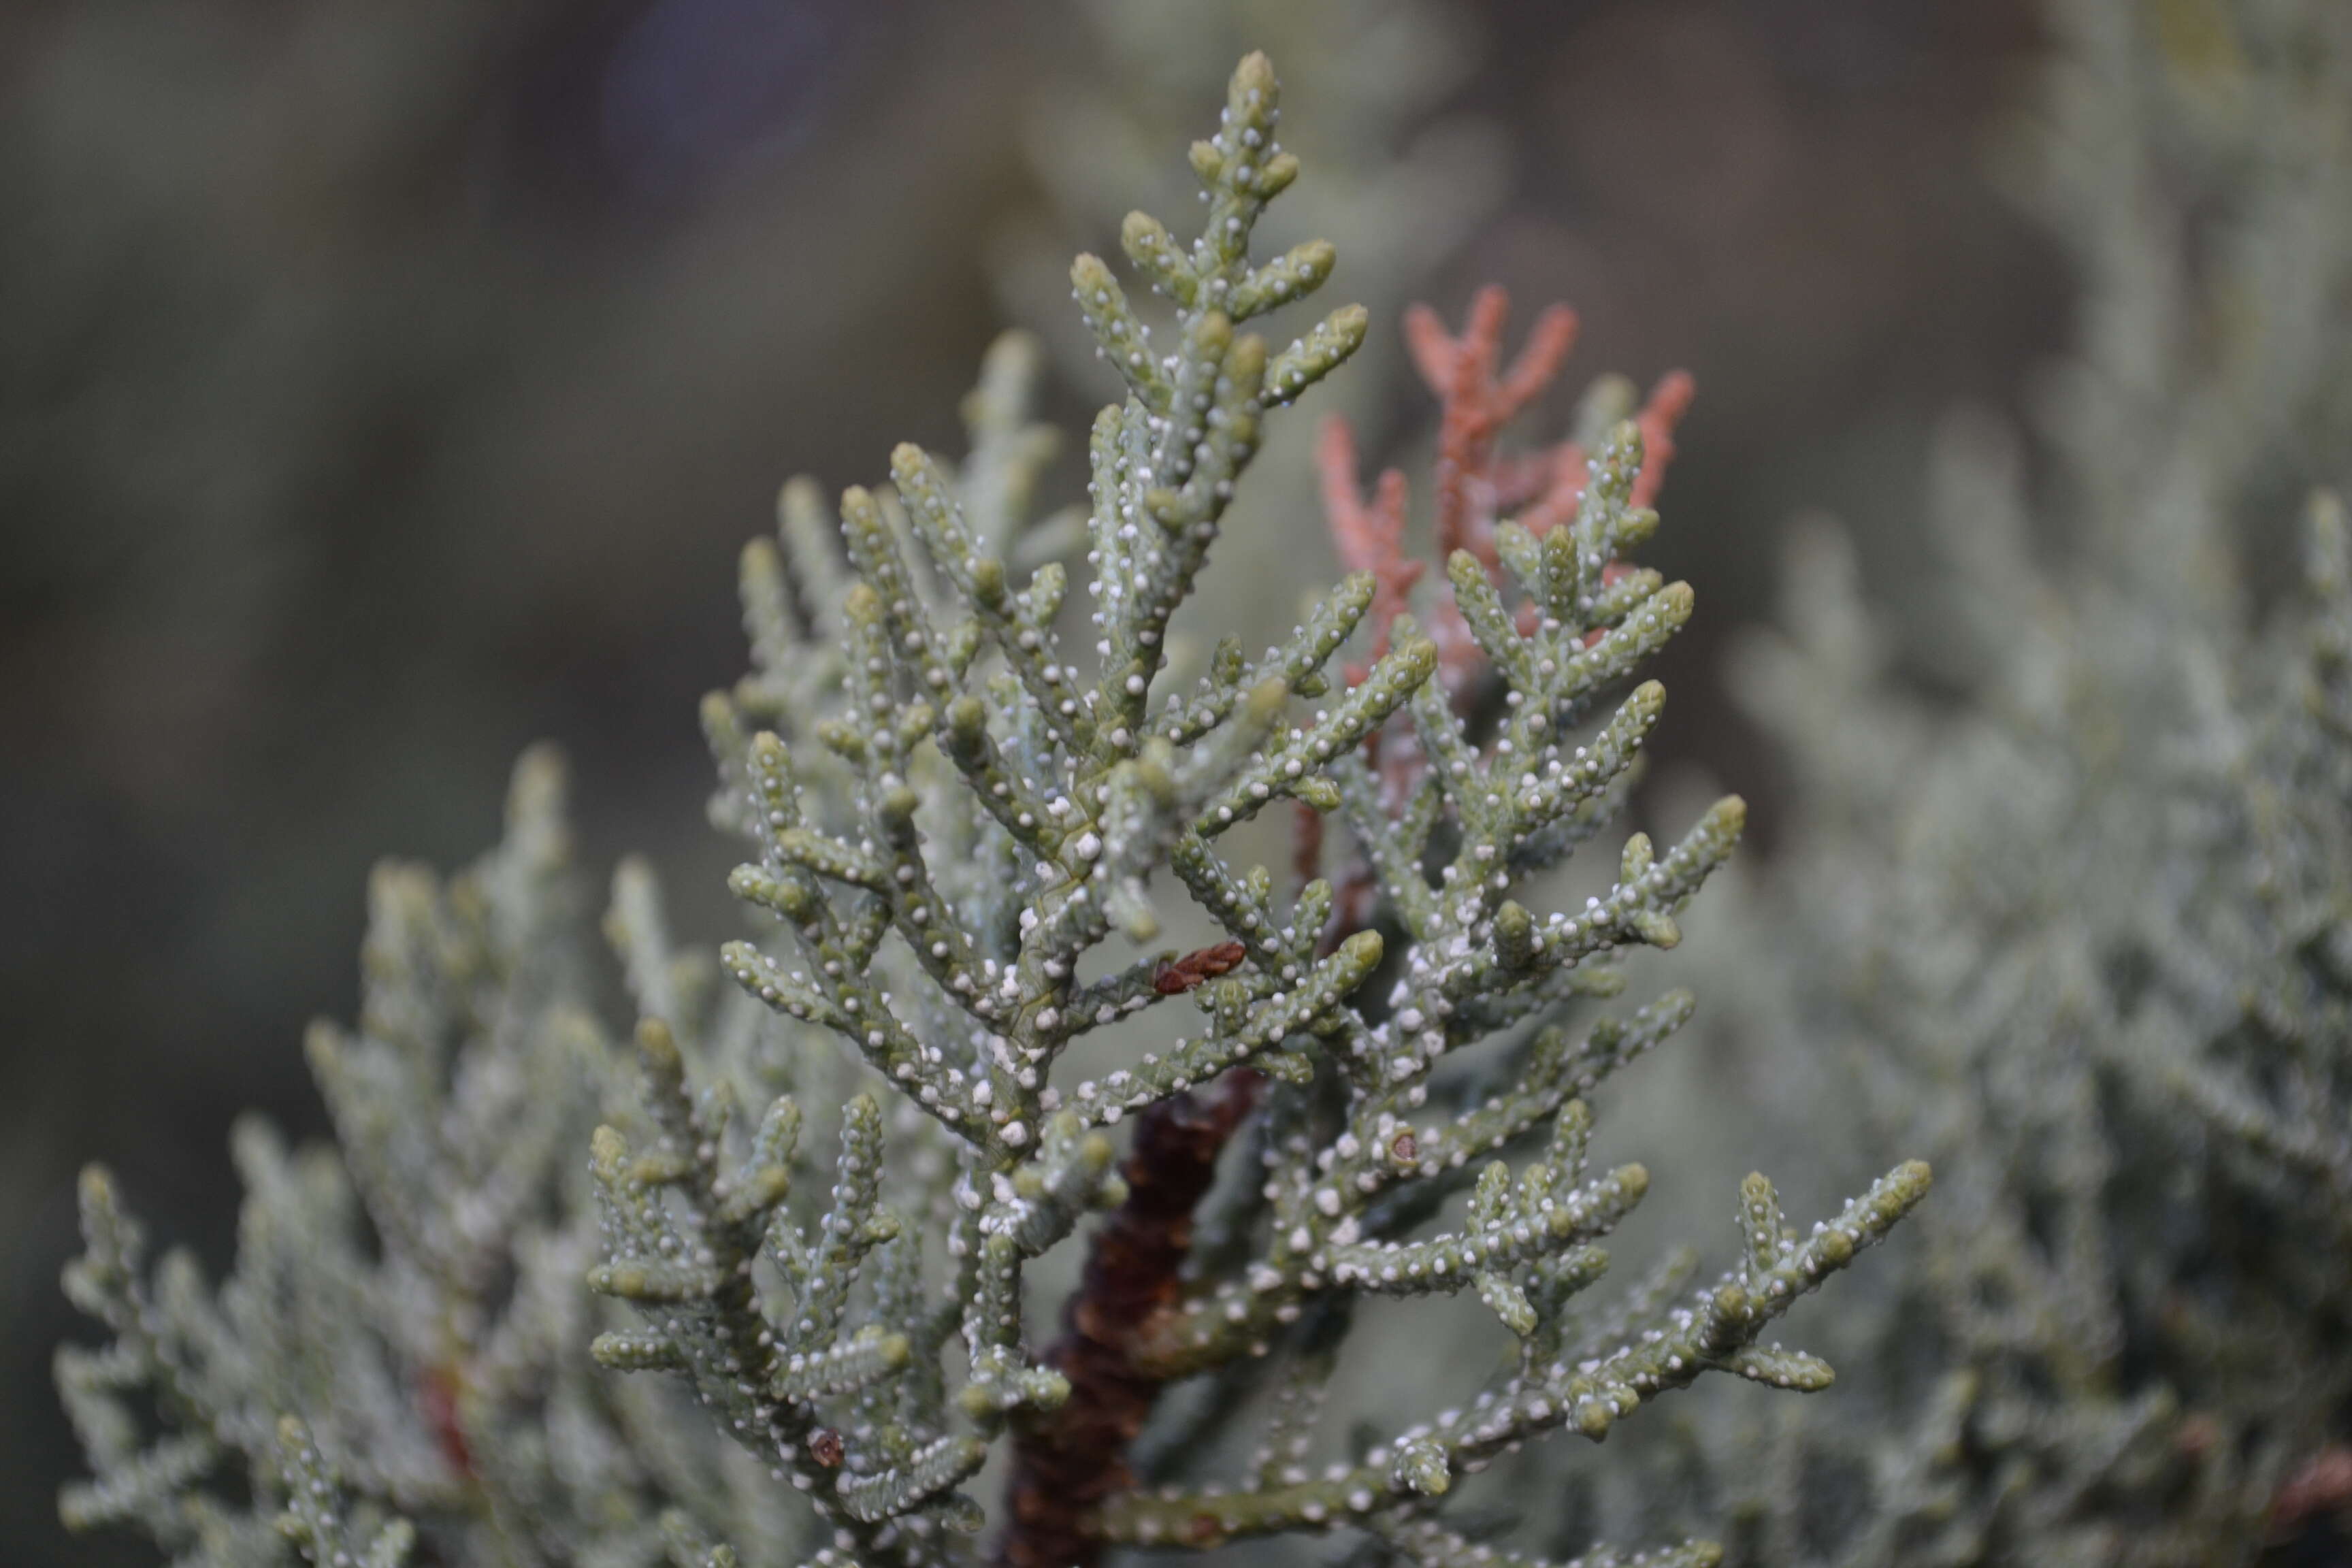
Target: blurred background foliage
383,387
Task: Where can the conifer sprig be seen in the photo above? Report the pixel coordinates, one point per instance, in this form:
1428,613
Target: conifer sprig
970,813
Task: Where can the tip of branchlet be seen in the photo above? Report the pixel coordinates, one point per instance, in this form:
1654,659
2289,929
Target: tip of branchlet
538,786
1624,443
1014,352
658,1047
1636,860
799,494
1256,73
607,1150
1657,928
321,1047
1515,934
988,581
95,1187
1142,231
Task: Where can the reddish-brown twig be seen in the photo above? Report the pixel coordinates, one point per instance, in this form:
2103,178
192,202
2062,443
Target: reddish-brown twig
1474,486
1175,976
1477,404
1368,538
2321,1488
1667,403
440,1391
1066,1462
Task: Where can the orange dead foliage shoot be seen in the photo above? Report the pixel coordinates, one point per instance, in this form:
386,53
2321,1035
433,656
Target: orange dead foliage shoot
1475,486
1369,537
1477,404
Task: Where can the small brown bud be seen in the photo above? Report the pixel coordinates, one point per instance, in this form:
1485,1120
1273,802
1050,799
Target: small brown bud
1176,976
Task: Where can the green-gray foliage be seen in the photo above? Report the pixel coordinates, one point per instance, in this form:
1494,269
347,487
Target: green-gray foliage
2081,923
801,1243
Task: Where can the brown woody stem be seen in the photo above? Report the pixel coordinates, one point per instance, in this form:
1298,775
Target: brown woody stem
1066,1462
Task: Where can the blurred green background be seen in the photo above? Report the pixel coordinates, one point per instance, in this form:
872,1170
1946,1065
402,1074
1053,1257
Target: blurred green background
385,387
